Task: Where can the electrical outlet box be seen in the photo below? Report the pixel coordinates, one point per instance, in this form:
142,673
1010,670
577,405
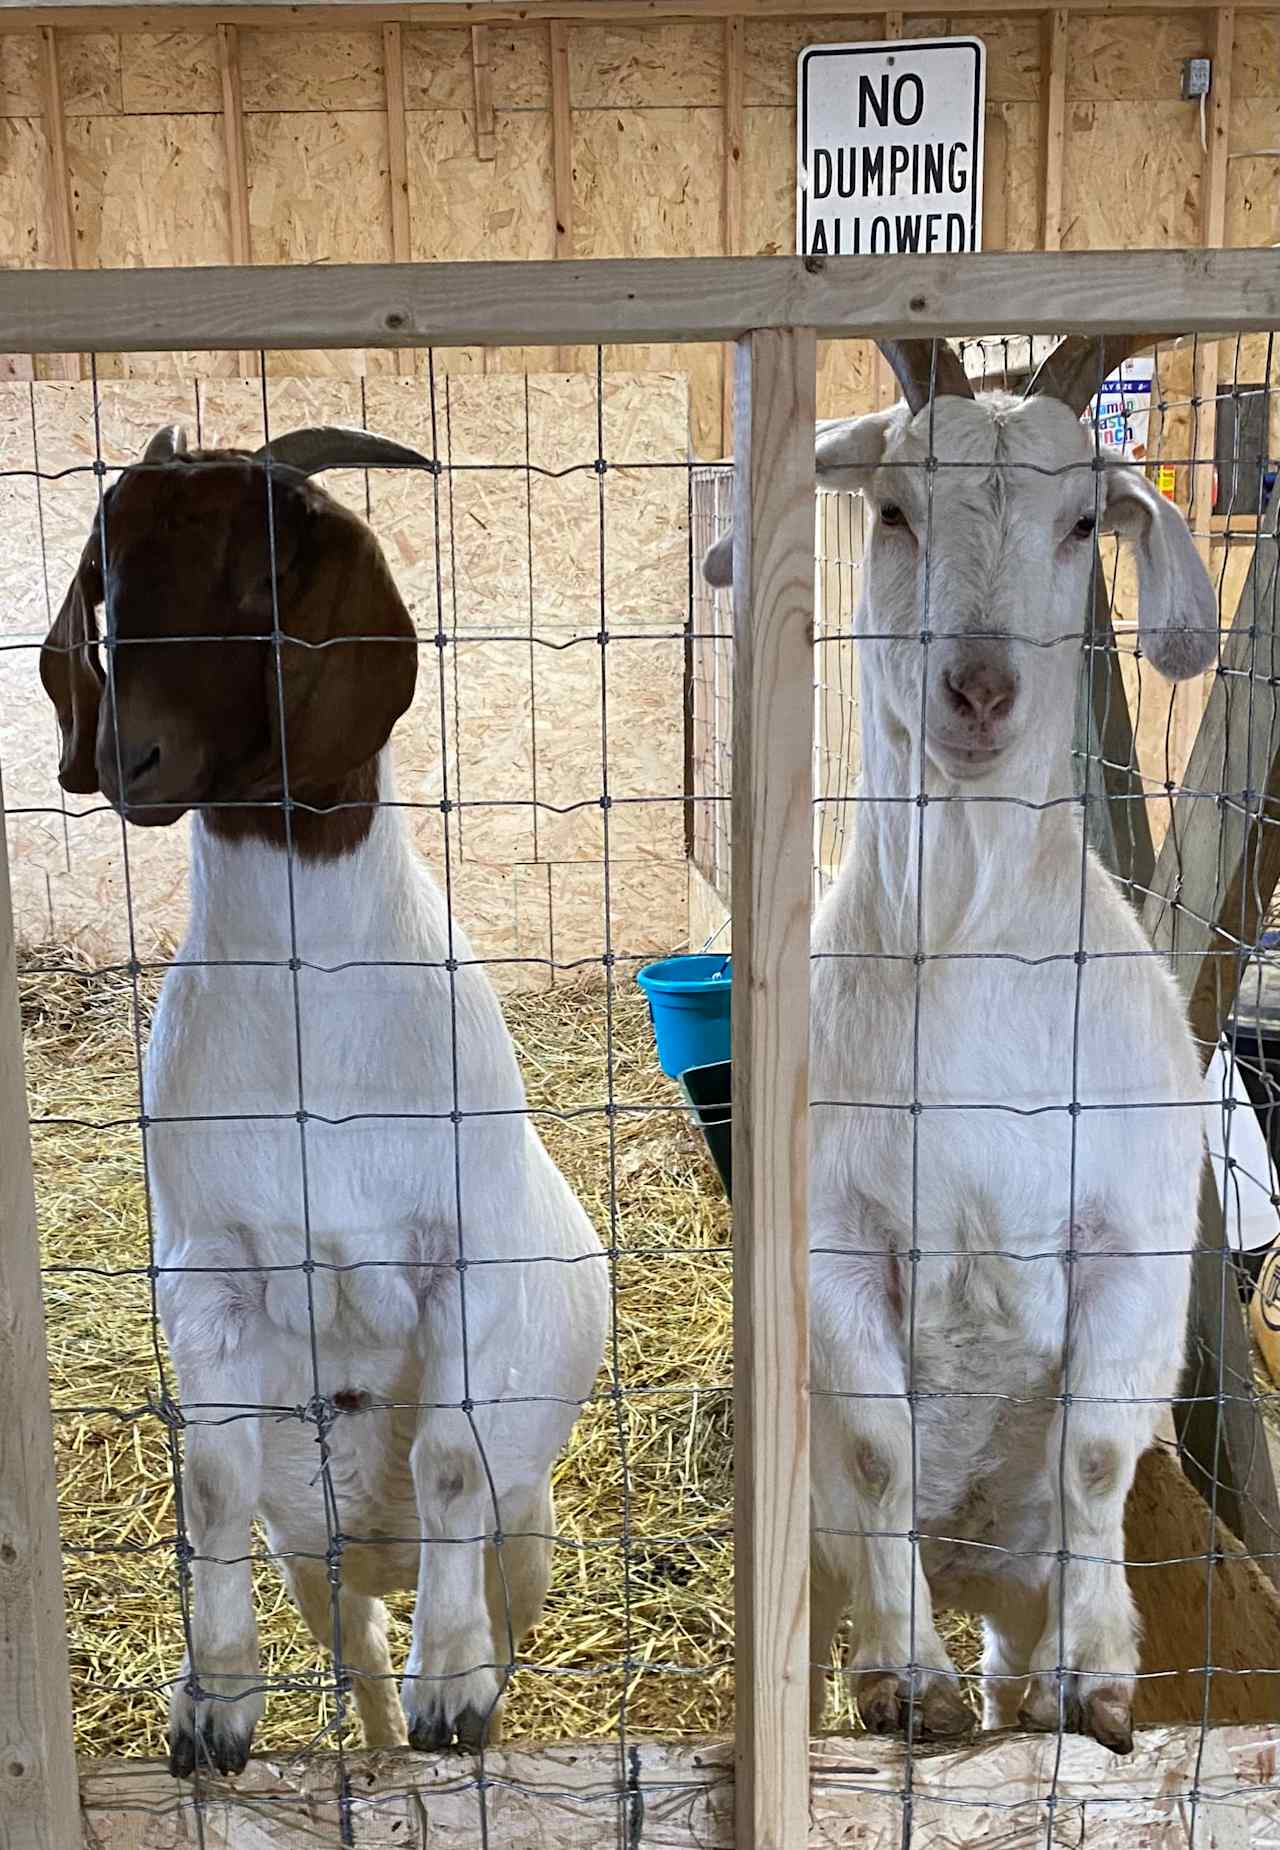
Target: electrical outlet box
1196,74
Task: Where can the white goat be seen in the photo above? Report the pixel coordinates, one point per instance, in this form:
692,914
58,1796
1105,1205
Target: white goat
999,1281
383,1303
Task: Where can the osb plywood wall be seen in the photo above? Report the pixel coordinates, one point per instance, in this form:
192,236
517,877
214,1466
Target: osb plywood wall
149,176
523,708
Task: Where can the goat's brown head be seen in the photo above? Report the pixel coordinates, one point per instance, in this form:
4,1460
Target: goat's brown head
198,559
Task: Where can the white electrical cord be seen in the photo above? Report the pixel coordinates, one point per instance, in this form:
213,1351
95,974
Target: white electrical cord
1204,145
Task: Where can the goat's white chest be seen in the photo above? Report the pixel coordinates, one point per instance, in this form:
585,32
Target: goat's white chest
985,1101
348,1105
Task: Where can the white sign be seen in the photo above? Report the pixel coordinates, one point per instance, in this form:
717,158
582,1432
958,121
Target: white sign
889,147
1123,408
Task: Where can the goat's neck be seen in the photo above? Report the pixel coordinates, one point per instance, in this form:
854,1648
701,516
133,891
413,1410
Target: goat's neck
328,823
958,869
252,898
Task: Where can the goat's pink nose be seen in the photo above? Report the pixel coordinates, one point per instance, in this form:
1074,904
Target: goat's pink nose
985,692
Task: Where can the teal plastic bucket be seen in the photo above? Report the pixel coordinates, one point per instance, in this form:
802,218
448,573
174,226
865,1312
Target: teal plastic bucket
689,1000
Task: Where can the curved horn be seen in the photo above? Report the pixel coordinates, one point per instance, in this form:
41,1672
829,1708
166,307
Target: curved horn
1076,368
329,446
917,371
166,444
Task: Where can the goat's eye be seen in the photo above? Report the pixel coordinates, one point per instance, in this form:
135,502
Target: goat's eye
891,514
1085,527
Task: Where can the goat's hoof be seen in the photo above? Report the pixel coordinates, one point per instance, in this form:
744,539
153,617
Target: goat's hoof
211,1745
1108,1717
435,1725
880,1703
939,1711
1106,1713
433,1732
944,1713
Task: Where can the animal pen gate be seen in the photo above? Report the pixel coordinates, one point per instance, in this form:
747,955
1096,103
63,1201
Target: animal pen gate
1205,895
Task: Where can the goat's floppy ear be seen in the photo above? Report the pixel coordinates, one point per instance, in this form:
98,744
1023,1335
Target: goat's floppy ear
1177,605
848,450
344,692
72,679
845,452
717,563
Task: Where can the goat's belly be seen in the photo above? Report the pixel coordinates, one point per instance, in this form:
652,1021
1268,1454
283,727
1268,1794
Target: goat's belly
984,1419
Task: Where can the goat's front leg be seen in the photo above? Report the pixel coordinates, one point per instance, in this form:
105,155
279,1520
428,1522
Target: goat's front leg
1125,1344
481,1471
864,1506
217,1700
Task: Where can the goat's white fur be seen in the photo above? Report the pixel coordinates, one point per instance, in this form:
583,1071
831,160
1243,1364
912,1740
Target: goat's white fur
376,1040
991,1188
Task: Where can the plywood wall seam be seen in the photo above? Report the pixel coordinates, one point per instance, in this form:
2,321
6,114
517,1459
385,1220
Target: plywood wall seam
1053,123
482,85
562,137
731,196
62,217
397,163
886,386
237,161
1190,698
561,149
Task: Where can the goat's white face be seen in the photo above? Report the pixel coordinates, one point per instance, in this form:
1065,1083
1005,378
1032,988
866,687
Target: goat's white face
987,550
988,555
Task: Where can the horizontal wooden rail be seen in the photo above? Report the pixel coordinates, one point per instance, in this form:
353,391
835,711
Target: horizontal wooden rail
636,299
1177,1789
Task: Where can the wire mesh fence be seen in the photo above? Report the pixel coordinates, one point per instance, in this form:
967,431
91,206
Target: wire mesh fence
272,1259
351,1269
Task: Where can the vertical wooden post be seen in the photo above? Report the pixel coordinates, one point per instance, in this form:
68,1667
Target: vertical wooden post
731,199
883,377
39,1796
995,182
398,163
562,152
61,365
772,881
1053,125
237,163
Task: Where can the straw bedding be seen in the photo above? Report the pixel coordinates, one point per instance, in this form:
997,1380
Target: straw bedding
643,1572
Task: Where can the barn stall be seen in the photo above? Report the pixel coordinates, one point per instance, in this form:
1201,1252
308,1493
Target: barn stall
554,560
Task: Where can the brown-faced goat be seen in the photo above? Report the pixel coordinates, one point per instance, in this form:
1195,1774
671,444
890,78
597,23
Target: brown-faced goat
1006,1134
360,1237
